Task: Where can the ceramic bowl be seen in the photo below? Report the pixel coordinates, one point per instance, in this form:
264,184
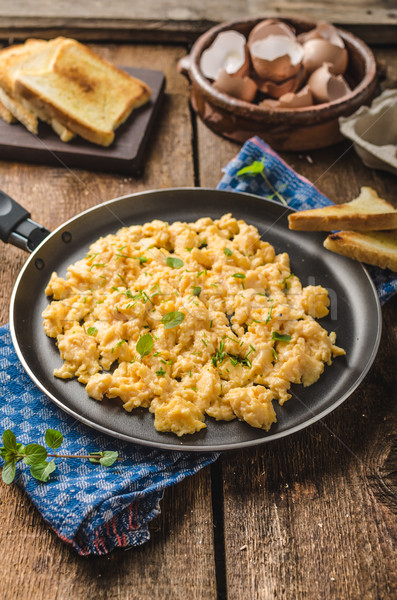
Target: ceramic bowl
288,129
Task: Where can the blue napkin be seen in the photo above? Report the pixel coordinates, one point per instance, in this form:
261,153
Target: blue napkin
93,508
299,193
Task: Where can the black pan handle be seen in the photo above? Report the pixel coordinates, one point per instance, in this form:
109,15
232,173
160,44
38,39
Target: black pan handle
15,226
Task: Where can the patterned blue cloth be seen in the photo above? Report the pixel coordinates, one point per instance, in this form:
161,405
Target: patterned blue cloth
299,193
90,507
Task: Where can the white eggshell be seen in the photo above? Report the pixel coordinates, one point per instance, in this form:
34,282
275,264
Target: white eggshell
319,51
243,88
269,27
228,52
276,57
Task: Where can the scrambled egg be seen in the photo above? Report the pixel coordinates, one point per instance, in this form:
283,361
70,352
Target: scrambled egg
189,319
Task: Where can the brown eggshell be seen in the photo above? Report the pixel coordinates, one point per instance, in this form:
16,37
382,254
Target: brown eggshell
324,31
270,104
270,27
298,100
323,84
276,57
319,51
243,88
278,89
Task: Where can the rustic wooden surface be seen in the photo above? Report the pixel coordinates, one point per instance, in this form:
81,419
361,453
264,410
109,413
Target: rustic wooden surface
169,20
310,516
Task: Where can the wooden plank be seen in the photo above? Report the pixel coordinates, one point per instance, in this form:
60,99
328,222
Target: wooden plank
312,515
35,563
162,20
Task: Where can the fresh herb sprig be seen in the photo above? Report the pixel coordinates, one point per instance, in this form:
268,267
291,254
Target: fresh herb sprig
35,455
258,168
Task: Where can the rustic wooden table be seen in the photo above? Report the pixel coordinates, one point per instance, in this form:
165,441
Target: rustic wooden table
310,516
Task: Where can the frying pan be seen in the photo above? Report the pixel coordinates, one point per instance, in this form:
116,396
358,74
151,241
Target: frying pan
355,313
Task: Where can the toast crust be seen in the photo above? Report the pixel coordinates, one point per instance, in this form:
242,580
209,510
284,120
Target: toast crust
373,247
365,213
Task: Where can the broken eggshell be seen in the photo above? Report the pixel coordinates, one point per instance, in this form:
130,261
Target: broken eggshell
298,100
243,88
270,27
324,31
319,51
325,86
276,57
228,52
275,90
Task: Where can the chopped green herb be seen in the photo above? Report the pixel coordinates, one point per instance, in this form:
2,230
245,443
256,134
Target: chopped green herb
144,345
189,249
227,252
128,293
98,265
275,353
269,316
200,273
157,354
239,275
211,322
161,373
280,337
172,319
174,262
92,331
114,288
122,279
143,259
204,342
120,343
197,290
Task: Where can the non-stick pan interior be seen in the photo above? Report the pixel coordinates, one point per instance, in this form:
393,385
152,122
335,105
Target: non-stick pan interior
354,314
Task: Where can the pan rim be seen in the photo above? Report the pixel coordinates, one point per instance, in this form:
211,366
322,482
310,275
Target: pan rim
183,446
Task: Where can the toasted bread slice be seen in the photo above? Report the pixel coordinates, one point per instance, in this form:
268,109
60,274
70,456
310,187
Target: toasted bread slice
34,54
373,247
83,92
6,115
367,212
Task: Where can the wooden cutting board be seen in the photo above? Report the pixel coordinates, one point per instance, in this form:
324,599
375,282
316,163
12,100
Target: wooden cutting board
125,155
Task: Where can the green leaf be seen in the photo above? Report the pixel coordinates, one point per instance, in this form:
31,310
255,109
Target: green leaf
106,458
144,345
3,452
9,440
174,262
197,290
281,337
53,438
8,473
254,169
227,252
239,275
92,331
109,457
172,319
42,471
35,454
